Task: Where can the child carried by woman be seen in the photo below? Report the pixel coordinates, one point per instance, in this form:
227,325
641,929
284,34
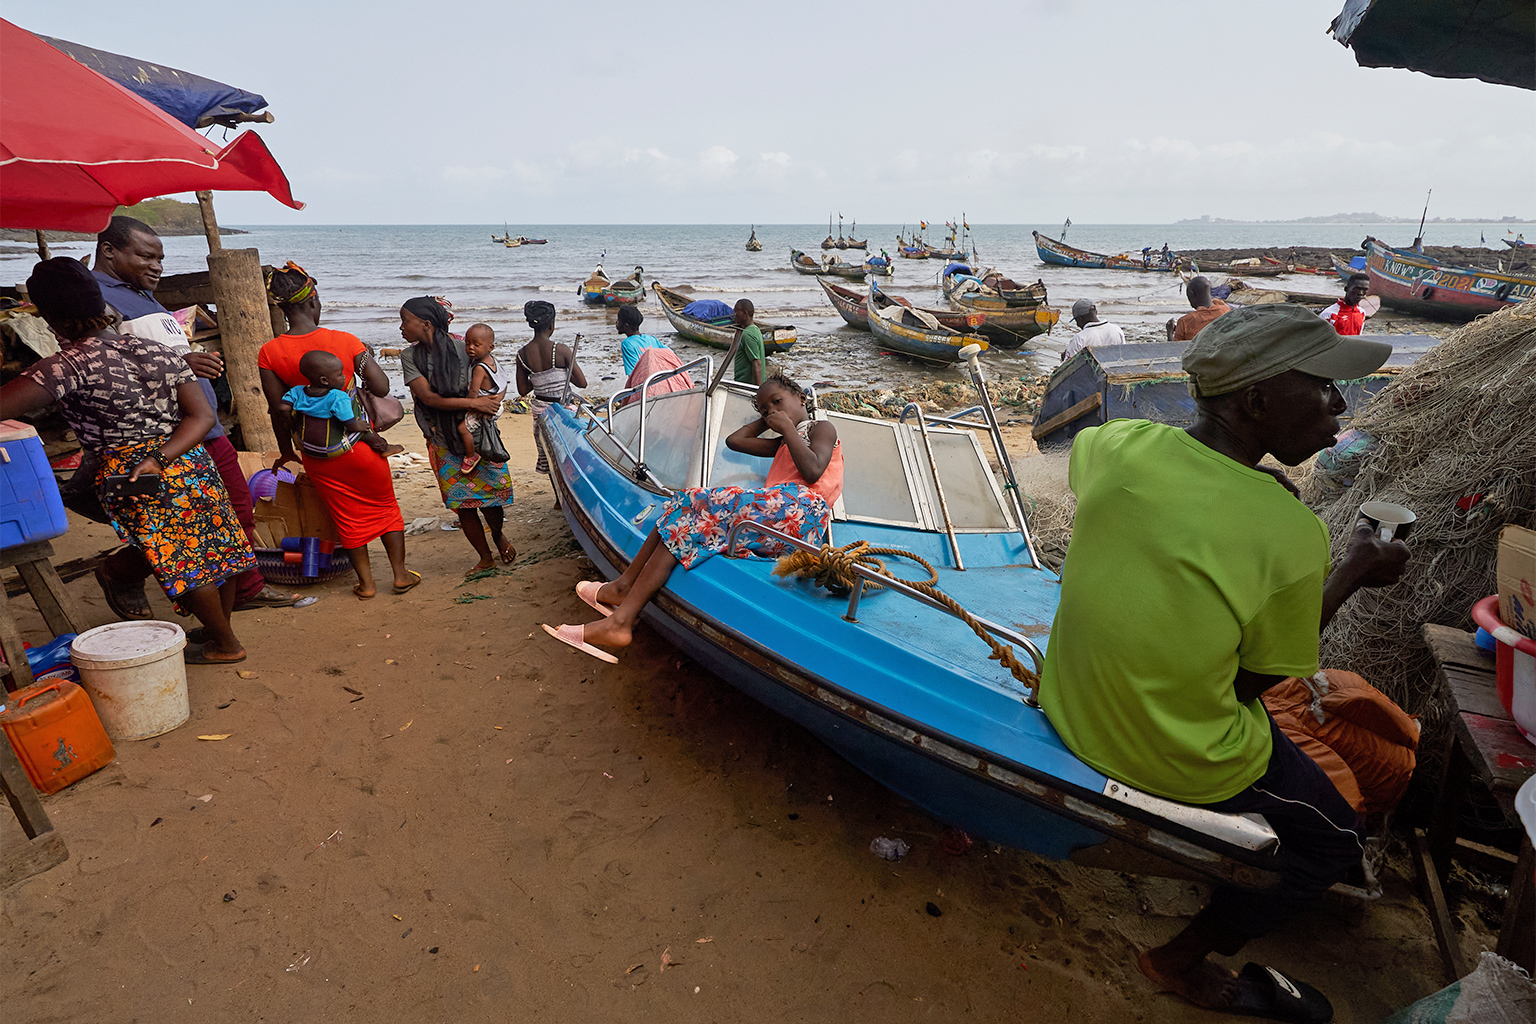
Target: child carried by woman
804,482
324,418
478,342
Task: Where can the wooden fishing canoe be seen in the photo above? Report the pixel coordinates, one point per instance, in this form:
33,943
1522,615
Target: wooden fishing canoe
1060,254
626,292
716,333
906,331
1419,284
753,245
591,290
1007,326
850,302
805,264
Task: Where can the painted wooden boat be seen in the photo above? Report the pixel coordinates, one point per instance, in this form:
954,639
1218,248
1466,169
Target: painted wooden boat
902,690
753,245
520,240
880,266
914,333
593,288
1238,269
855,243
1146,381
1060,254
716,333
1345,269
960,278
852,271
626,292
806,264
1007,326
849,304
912,252
1419,284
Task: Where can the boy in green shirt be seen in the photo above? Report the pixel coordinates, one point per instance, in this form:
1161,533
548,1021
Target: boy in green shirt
1193,582
751,365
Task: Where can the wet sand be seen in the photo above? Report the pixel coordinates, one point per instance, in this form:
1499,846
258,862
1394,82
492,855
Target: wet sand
502,829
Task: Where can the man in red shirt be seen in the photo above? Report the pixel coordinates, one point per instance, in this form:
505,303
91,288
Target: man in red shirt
1346,315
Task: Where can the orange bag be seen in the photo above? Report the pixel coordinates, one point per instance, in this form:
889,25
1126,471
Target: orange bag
1365,743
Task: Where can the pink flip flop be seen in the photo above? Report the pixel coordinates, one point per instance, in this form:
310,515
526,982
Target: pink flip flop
587,591
575,636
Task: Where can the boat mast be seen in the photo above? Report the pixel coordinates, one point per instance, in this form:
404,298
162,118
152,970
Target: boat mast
1418,242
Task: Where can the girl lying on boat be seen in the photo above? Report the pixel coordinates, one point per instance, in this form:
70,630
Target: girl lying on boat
803,483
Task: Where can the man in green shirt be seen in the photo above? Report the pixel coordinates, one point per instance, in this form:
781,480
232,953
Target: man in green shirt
1194,581
751,365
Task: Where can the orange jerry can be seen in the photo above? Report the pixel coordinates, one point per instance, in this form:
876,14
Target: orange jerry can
57,737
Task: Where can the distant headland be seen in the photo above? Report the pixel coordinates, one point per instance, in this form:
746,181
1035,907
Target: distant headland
166,216
1359,218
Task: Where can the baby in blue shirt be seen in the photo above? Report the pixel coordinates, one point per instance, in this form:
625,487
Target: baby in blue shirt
322,411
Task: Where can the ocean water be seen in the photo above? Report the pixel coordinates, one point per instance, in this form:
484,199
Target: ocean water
366,271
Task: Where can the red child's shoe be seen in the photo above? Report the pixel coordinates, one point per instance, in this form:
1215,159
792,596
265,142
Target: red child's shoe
470,464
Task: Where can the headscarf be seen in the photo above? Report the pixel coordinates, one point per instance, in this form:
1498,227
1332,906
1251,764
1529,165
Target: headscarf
66,293
443,362
540,314
278,288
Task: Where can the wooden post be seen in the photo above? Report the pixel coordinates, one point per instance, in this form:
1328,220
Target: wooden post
210,222
279,322
245,326
42,245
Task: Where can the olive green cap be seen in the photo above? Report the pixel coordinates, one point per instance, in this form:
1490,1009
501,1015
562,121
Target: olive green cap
1252,344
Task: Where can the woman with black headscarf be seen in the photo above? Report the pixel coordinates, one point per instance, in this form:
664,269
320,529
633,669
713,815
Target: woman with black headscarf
436,369
137,407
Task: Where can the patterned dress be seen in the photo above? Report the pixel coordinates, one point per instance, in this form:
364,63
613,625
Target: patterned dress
489,486
119,396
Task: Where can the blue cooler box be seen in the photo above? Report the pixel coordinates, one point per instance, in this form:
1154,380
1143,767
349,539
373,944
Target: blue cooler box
30,509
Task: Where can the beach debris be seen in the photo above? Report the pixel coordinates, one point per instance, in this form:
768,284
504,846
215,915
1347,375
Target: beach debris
396,917
299,963
229,897
156,822
450,526
407,725
476,970
390,661
206,796
406,932
421,525
217,736
497,727
305,602
934,911
246,673
226,704
350,690
471,598
666,959
709,938
956,842
889,849
632,968
433,949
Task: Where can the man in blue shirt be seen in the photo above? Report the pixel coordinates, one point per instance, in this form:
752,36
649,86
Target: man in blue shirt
630,319
129,258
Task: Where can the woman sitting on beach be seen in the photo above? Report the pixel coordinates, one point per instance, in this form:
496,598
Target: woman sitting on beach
542,367
137,407
436,369
353,479
804,482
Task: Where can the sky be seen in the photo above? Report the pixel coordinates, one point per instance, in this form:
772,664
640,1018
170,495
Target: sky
1023,111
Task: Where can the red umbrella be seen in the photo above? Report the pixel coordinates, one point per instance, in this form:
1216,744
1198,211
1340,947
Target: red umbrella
75,145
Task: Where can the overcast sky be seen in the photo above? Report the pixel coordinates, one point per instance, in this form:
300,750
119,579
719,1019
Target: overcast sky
1024,111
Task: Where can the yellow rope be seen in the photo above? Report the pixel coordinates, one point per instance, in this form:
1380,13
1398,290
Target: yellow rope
832,568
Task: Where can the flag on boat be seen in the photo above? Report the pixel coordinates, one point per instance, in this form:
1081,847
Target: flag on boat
923,224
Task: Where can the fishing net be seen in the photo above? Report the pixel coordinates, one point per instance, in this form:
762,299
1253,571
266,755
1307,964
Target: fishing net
1454,439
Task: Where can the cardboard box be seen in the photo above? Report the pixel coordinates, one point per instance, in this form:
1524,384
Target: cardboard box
1517,579
296,510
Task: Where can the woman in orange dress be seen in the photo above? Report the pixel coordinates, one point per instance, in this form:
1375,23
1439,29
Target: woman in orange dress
353,479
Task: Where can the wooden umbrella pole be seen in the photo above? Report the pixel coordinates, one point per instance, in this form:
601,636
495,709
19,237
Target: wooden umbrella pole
210,222
42,245
245,325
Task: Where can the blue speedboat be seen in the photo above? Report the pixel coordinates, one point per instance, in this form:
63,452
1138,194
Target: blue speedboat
904,690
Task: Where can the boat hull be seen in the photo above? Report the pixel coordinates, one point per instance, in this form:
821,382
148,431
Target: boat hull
776,337
1007,326
1417,284
1060,254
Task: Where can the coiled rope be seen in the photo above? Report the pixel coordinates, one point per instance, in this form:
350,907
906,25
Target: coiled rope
833,569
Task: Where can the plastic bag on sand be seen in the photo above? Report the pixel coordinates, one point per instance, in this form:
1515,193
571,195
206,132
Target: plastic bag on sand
1497,992
889,849
421,525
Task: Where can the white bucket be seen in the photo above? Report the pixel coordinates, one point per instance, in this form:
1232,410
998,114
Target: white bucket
135,676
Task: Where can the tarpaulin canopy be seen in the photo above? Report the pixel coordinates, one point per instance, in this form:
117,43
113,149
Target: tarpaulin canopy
1494,40
195,101
74,146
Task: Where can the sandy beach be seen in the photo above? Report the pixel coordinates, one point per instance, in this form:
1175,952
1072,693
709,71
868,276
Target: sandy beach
428,811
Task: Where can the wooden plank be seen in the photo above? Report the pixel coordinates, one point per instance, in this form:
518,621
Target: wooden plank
32,857
20,794
1517,935
1472,691
1068,415
25,553
1452,646
1434,902
18,672
1502,758
57,605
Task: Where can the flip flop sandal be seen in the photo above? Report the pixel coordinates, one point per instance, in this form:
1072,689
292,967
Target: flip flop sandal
268,597
587,591
503,548
197,654
197,635
115,592
357,589
575,636
1265,992
411,585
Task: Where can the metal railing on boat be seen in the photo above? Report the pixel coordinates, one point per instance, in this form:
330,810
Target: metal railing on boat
643,389
868,575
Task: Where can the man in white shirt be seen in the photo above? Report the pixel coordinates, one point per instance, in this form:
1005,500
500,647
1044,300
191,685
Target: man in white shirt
1091,330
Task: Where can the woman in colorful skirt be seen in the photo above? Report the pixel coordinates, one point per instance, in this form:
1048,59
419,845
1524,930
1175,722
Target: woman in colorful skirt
354,481
136,405
436,370
804,482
